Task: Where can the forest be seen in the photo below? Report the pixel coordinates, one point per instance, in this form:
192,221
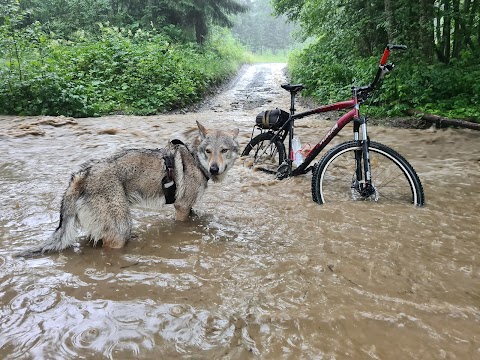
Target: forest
89,58
95,57
440,73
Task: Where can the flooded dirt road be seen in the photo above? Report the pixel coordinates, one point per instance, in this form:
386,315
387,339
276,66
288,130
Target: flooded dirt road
261,272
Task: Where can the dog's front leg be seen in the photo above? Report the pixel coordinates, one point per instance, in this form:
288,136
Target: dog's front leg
182,212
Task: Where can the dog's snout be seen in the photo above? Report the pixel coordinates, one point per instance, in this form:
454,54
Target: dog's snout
214,169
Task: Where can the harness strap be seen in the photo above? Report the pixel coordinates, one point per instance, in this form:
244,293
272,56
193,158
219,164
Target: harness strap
180,142
168,182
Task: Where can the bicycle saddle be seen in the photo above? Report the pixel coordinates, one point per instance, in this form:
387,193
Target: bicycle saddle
293,87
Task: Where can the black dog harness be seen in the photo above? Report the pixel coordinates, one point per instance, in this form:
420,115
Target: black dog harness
168,182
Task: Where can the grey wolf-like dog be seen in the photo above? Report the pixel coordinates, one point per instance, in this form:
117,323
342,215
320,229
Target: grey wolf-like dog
99,196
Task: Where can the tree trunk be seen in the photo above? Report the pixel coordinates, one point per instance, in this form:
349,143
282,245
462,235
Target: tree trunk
466,26
447,23
427,40
389,14
443,122
470,20
438,27
458,34
201,28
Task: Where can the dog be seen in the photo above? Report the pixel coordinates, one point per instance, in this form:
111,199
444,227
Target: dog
99,196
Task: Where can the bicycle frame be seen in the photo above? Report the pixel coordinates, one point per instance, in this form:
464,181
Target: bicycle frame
352,115
269,151
335,129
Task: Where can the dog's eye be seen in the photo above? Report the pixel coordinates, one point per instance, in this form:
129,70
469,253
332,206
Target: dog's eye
224,151
208,151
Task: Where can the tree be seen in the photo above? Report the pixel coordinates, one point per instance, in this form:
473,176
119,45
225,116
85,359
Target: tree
445,27
202,12
260,30
193,16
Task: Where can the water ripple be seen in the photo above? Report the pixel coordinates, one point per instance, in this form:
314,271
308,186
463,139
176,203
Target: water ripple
35,299
106,327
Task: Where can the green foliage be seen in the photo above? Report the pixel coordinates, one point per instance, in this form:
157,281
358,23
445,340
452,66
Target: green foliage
46,94
326,74
134,72
448,90
64,17
193,18
440,29
439,74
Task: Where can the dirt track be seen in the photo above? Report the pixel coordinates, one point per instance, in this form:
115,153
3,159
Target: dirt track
261,271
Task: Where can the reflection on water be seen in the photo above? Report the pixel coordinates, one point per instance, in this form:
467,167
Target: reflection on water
259,270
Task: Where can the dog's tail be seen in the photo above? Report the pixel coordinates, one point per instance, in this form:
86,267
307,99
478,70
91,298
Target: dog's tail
65,234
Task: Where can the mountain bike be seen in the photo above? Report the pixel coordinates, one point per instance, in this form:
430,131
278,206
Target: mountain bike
355,170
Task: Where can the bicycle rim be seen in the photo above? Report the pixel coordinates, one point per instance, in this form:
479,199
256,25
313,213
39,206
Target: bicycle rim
263,154
394,179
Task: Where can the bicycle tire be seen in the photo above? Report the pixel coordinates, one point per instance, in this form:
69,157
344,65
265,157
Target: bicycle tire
263,154
394,179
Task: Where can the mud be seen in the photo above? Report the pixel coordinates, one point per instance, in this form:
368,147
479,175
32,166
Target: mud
260,271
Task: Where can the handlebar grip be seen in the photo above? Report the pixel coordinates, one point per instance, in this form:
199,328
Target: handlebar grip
396,47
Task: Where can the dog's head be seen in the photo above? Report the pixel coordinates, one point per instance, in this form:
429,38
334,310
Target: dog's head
217,151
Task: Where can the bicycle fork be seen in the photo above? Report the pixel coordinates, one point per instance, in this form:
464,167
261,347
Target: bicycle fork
362,183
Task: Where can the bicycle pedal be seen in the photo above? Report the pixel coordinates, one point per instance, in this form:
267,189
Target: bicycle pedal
284,171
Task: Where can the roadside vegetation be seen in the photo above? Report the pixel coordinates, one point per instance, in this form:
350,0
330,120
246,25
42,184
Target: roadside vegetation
439,74
89,58
117,71
94,68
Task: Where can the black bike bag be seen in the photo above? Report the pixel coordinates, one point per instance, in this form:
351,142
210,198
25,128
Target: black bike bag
272,119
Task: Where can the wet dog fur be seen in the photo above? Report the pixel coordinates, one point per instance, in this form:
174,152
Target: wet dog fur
99,196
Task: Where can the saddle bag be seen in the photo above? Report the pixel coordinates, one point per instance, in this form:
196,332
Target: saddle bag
272,119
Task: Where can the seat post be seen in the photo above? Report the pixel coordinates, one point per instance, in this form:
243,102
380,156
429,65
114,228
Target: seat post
292,101
293,89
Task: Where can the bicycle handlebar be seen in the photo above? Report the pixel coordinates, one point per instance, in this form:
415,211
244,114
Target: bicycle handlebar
386,52
382,69
396,47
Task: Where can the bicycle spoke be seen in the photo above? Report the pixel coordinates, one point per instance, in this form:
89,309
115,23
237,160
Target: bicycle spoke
263,154
393,180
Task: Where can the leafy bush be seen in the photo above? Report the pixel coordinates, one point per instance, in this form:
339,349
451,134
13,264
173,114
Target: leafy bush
135,72
45,94
448,90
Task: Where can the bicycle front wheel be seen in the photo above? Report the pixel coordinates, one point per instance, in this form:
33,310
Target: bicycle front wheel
264,154
394,180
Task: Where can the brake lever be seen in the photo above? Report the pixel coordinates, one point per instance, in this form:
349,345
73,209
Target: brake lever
389,66
384,69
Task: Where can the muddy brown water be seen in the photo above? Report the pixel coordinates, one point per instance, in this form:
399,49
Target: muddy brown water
261,271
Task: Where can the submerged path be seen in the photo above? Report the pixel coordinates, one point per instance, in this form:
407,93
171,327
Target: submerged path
261,270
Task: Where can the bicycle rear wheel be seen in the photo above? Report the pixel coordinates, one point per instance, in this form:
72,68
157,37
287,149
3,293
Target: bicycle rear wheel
394,179
264,154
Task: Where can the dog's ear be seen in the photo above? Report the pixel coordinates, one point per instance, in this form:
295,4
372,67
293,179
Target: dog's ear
235,133
203,130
